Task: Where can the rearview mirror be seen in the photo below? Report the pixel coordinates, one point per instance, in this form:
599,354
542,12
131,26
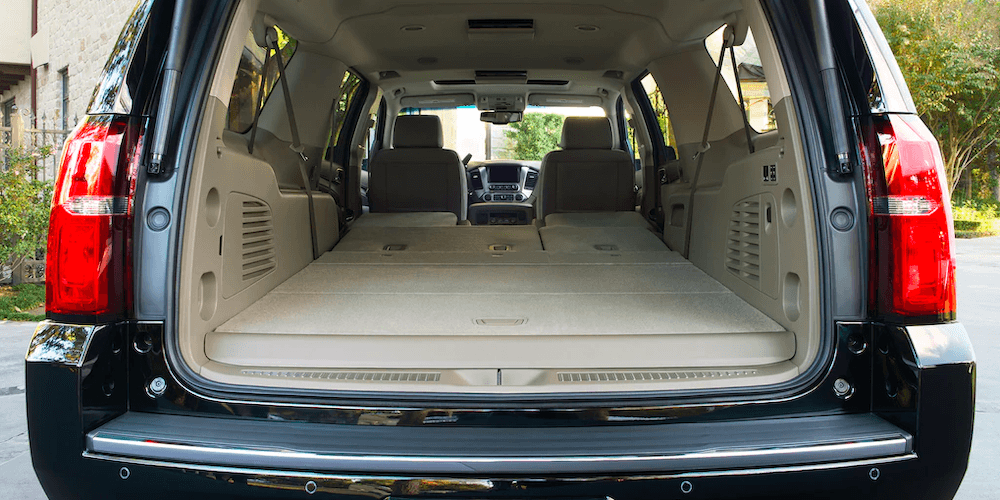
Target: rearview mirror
500,117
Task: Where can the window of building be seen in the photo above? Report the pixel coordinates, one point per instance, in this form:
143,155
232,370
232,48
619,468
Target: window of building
247,84
752,82
5,137
8,115
64,102
8,112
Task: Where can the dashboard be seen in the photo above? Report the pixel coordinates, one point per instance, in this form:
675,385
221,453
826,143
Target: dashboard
502,181
500,192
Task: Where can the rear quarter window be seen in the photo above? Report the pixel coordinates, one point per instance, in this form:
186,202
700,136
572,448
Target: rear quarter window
248,83
750,78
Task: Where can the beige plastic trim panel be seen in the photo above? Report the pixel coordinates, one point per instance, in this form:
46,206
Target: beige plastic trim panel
222,179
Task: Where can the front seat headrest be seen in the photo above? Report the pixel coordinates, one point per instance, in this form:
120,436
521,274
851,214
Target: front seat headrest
417,131
586,132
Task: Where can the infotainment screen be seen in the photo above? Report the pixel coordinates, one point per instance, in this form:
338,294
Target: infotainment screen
503,172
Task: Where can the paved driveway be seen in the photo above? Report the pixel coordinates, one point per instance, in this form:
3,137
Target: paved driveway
17,479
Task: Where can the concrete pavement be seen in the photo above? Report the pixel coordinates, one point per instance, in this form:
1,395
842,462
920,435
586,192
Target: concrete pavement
979,310
17,478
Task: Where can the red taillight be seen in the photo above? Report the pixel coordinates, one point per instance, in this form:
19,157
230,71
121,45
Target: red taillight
90,224
913,267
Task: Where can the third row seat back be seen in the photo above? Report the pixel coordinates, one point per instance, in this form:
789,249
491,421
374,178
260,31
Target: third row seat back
587,175
417,174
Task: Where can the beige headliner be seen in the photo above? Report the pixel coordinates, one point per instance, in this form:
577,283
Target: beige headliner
367,36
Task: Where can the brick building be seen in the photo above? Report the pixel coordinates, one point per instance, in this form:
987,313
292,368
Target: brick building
51,54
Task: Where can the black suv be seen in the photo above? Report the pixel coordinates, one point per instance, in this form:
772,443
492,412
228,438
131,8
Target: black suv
490,250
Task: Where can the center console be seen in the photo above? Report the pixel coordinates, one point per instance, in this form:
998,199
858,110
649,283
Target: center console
500,192
501,214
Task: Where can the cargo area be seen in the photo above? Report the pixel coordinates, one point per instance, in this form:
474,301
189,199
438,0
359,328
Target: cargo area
501,308
385,262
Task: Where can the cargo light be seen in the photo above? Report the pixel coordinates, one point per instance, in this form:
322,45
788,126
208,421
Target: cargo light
912,263
88,268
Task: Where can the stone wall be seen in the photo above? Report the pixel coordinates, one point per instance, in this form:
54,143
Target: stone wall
81,34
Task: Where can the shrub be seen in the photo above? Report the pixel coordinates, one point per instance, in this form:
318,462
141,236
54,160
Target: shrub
969,225
24,204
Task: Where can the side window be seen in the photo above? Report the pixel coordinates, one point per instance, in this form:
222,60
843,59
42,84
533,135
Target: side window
372,136
247,85
751,78
349,86
653,112
633,142
659,107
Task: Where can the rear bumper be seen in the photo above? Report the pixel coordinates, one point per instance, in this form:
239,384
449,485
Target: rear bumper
913,442
522,453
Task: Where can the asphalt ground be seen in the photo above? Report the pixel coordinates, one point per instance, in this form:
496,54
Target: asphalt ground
978,309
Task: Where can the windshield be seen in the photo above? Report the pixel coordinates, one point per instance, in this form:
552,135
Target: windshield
529,140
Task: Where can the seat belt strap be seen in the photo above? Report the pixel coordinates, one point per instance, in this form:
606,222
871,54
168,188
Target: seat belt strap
260,101
272,40
727,43
739,93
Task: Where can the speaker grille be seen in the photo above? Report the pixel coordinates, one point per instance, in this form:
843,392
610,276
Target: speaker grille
743,245
347,376
649,376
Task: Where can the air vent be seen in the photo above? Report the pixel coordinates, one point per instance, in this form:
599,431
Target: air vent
650,376
477,179
501,24
258,240
553,83
347,376
743,242
501,76
531,180
454,82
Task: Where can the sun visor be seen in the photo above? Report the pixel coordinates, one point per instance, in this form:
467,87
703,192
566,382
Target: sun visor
438,101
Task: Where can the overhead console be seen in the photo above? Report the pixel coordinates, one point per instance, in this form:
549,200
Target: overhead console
500,192
501,102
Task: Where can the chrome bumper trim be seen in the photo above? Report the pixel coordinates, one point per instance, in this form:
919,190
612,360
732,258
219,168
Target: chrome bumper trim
442,483
110,444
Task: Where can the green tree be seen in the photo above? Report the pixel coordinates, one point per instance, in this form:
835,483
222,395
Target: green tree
949,53
24,205
535,135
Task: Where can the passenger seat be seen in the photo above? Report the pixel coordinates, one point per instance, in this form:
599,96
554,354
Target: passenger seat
417,174
587,175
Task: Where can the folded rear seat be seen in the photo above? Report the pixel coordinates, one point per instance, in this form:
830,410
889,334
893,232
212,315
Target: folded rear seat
597,219
406,219
441,239
600,239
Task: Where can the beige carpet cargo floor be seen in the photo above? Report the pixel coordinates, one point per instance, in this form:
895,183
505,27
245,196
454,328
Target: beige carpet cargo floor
594,306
